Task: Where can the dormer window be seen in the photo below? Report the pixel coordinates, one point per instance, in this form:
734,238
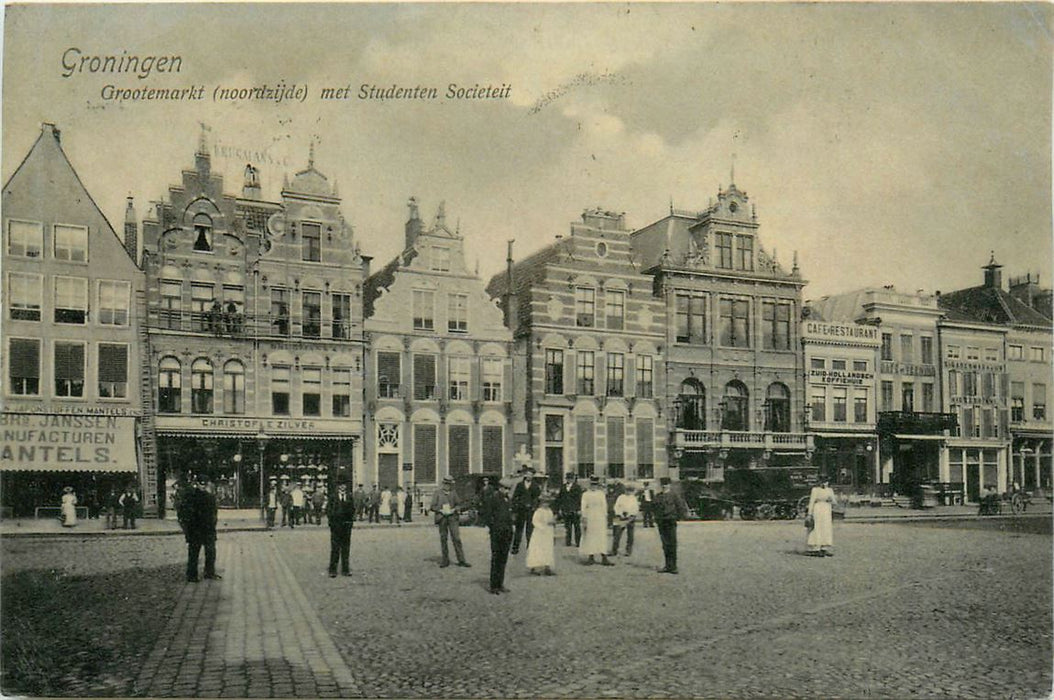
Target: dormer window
744,253
203,233
311,240
440,259
724,251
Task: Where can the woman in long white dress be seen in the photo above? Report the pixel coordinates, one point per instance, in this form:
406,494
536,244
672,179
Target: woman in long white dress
594,524
540,556
820,537
69,507
385,508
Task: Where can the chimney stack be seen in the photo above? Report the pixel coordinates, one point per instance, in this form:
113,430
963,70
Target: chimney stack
993,275
511,301
131,231
414,225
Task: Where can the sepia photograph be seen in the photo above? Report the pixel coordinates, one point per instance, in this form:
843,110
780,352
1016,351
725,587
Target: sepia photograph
526,350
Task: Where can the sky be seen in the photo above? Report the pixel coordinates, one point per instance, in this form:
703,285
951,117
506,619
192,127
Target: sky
884,143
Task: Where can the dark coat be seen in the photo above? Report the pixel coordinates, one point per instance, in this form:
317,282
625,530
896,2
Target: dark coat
525,498
198,514
341,515
496,511
570,499
670,507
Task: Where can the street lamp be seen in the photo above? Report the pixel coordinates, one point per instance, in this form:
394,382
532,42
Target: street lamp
261,441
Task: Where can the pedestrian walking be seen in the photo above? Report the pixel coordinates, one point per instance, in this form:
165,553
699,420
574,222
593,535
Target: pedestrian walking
374,505
398,505
359,498
296,500
647,504
669,508
540,556
341,520
318,504
197,514
274,499
496,514
594,524
112,504
68,507
384,510
820,536
569,505
446,506
129,507
524,501
626,511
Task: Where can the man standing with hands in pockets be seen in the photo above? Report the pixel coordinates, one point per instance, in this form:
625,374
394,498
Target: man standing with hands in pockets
445,505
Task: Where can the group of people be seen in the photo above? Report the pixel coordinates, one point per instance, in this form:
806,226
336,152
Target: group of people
298,506
375,506
113,504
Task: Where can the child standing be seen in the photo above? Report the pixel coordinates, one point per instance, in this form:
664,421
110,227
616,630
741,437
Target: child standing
540,556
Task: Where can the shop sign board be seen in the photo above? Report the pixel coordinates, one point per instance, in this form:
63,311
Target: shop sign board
49,442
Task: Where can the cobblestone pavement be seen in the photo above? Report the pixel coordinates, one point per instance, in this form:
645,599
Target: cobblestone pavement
902,610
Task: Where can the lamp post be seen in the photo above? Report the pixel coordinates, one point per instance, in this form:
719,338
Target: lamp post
261,441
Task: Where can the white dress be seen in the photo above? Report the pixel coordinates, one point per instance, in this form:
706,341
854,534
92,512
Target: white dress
69,509
820,501
540,548
594,523
385,509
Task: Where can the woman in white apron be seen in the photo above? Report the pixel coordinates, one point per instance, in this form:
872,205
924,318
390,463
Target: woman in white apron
821,499
69,507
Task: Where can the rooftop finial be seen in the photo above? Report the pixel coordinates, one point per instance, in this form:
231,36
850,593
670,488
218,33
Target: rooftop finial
671,205
412,204
311,154
794,269
441,215
203,143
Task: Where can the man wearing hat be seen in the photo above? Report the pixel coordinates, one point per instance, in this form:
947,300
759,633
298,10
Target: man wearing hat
341,518
569,505
669,508
273,499
524,501
198,513
496,514
445,505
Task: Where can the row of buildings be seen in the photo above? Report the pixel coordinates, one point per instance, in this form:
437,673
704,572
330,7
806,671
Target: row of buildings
251,339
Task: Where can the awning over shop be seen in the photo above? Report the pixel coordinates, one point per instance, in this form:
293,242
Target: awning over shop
252,436
920,437
65,443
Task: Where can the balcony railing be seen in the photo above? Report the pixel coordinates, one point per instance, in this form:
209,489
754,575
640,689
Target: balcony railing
703,439
916,423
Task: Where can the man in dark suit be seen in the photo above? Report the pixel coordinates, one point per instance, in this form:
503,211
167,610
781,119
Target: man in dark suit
569,504
524,500
669,508
341,517
359,498
198,513
496,514
647,504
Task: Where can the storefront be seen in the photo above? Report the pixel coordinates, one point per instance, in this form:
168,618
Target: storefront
1030,468
849,460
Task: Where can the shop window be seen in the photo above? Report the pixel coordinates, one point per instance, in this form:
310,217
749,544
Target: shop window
311,241
71,300
113,371
169,381
25,296
616,444
114,299
614,309
554,371
71,243
201,386
311,391
616,373
23,366
234,388
25,239
491,370
645,376
341,392
69,369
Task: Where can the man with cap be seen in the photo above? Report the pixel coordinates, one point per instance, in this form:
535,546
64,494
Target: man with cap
524,500
669,508
341,518
647,504
274,499
496,514
198,513
569,505
595,520
445,505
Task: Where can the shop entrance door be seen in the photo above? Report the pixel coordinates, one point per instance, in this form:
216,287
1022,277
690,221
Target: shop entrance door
973,481
388,470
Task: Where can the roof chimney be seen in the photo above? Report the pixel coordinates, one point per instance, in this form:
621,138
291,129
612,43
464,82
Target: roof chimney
131,231
414,225
993,275
511,301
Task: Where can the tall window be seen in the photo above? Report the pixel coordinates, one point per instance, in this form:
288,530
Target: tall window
389,369
25,239
554,447
953,383
987,385
926,349
907,397
927,397
1039,402
233,308
691,405
585,307
777,408
616,374
907,347
554,371
425,377
616,443
23,366
311,391
724,250
839,404
425,451
775,325
744,253
818,404
279,311
311,241
341,387
736,415
491,371
113,371
113,302
887,395
202,233
585,440
860,406
169,383
234,387
493,449
457,313
171,312
440,258
69,369
615,309
202,297
458,449
691,317
585,372
458,370
969,383
645,376
312,314
201,386
1017,401
71,300
645,448
25,296
735,323
341,316
887,346
280,390
424,310
71,243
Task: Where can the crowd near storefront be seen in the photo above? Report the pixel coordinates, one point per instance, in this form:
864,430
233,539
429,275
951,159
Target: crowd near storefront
247,339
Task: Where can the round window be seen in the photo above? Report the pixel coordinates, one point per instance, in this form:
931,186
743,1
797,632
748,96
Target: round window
602,249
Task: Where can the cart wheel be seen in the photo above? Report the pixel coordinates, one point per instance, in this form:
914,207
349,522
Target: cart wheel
1017,503
766,511
747,512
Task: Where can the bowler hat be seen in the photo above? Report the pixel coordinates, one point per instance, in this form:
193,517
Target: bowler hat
448,479
594,479
67,489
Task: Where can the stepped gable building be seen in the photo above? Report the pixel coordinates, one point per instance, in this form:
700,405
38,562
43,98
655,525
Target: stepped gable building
70,351
255,333
1018,404
590,336
438,367
734,379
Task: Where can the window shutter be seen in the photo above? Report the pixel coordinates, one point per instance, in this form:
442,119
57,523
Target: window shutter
457,450
113,363
585,440
25,358
69,361
425,454
388,368
645,446
493,449
424,375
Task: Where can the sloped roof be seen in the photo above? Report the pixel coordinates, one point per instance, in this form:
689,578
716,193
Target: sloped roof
990,305
382,279
525,271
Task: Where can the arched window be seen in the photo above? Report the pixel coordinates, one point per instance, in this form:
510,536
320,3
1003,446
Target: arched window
234,387
203,233
168,385
735,415
777,408
691,405
201,386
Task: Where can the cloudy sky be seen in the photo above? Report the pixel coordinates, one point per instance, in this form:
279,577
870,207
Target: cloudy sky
886,143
